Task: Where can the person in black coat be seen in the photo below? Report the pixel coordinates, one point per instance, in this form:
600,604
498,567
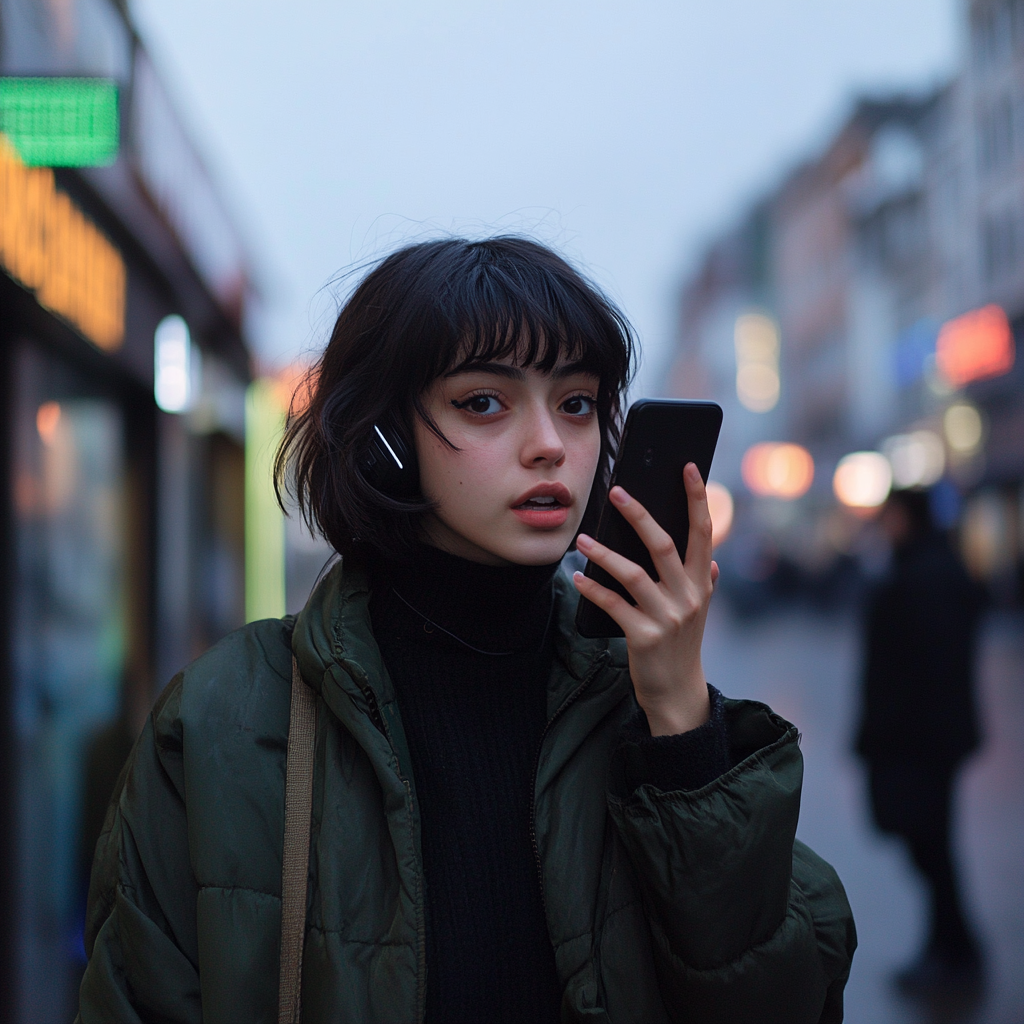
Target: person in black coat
919,722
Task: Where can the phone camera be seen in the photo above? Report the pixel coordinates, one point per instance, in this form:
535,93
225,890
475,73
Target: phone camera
649,457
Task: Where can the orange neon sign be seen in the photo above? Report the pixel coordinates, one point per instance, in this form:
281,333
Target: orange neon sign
974,346
48,245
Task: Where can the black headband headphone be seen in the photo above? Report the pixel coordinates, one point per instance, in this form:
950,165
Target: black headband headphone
388,462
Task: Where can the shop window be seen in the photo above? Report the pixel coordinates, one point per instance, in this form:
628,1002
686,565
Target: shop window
68,652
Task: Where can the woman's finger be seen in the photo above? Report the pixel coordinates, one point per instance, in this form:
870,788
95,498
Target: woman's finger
608,601
698,543
633,577
657,540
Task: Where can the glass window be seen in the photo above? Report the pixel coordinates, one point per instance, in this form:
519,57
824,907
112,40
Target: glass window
68,647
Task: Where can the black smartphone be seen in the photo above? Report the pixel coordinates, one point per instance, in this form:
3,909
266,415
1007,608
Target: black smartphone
659,438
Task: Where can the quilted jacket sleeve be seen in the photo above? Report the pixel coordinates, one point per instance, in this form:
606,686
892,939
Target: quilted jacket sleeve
141,924
742,916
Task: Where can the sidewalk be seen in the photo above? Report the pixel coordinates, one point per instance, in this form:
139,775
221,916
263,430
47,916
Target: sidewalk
806,667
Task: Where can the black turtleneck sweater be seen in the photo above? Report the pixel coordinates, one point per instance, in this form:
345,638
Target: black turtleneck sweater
469,648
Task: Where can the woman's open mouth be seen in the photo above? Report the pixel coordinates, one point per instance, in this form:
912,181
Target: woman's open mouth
545,507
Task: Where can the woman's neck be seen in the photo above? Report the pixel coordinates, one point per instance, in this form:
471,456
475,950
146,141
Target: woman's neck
497,609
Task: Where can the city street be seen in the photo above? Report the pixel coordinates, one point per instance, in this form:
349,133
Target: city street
806,667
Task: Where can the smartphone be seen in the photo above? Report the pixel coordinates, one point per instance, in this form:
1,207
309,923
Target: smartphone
659,438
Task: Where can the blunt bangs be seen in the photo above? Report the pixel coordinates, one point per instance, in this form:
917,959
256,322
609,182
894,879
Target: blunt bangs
529,318
426,311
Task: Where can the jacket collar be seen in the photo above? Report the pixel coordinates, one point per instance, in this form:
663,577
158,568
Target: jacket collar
338,656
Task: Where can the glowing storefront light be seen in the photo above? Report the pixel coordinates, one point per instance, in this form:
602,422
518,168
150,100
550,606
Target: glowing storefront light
917,459
265,414
757,362
51,248
963,428
61,122
720,505
974,346
172,379
775,470
862,479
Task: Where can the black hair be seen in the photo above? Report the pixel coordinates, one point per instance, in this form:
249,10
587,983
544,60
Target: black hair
428,310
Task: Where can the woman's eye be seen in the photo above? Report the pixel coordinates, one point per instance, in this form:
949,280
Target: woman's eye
482,405
578,405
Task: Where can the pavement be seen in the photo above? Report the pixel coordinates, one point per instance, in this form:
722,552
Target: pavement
805,665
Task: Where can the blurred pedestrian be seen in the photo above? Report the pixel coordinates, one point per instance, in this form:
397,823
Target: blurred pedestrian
919,723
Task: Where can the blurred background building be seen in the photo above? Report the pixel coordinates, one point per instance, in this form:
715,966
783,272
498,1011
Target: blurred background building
860,324
123,366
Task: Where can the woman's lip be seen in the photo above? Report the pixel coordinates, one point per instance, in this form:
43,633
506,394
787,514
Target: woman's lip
558,491
543,518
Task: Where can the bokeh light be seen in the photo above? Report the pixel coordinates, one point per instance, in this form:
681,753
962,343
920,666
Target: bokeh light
776,470
757,362
172,377
917,459
975,346
720,504
963,428
862,479
47,421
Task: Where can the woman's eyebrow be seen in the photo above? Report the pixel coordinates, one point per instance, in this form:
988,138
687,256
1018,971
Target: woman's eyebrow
573,369
497,369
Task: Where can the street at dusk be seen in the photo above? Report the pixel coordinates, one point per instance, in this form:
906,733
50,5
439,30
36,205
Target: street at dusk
333,336
805,666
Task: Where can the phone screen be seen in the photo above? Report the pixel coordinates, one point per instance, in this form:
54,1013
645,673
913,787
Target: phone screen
659,438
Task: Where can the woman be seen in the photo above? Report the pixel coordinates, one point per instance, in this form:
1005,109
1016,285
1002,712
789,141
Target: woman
509,822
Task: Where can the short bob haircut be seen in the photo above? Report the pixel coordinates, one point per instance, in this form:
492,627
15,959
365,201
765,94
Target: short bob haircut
426,311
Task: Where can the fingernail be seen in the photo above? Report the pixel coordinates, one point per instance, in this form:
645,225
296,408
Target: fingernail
583,541
578,576
619,496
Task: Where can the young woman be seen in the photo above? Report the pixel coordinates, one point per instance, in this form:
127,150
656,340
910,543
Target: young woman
509,822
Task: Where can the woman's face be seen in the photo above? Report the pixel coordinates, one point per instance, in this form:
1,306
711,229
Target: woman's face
528,447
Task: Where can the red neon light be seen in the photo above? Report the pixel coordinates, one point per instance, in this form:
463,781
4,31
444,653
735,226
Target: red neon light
974,346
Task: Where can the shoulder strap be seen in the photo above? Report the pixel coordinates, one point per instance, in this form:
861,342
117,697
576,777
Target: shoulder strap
298,808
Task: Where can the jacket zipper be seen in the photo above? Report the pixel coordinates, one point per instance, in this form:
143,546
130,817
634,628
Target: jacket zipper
565,705
374,709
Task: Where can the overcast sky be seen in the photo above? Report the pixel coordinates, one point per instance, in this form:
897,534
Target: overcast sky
623,133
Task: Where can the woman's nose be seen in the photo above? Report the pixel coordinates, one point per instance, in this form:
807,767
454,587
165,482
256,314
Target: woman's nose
542,443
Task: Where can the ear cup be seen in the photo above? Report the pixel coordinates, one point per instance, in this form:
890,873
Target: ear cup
388,462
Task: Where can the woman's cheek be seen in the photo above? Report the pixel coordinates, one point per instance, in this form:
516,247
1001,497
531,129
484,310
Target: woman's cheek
586,452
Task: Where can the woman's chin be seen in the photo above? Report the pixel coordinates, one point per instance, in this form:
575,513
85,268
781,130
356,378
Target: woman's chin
535,547
510,542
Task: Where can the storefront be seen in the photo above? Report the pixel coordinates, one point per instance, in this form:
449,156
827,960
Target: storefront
122,523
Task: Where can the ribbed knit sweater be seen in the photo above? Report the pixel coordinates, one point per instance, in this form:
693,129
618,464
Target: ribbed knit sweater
468,648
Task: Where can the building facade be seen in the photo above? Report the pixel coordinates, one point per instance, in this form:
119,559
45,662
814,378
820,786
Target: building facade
862,260
121,523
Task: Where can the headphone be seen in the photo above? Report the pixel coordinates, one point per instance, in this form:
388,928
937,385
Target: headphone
388,462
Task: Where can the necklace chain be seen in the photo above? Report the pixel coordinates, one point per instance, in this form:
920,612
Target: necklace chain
427,621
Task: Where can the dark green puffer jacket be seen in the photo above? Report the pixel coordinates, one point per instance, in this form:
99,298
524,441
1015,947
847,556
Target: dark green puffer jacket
680,906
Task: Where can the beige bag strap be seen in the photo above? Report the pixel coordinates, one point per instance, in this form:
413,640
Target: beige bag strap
298,810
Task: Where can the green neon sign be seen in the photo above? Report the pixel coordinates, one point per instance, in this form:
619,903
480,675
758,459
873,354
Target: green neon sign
60,122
